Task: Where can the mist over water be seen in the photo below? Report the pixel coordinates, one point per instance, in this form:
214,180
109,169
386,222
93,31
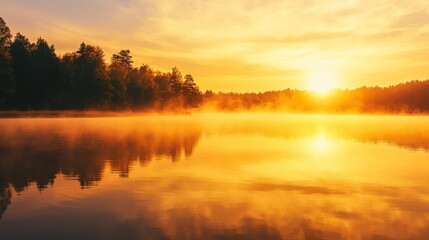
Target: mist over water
215,176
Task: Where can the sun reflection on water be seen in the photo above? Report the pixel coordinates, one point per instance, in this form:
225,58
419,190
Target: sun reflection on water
320,143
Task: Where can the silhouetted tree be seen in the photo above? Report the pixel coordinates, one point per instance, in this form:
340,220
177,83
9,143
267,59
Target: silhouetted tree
90,77
6,79
176,81
123,58
6,72
68,80
174,99
141,87
32,76
191,92
46,76
410,97
163,86
20,52
5,35
118,75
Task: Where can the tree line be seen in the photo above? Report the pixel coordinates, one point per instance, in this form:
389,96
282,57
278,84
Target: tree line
409,97
33,76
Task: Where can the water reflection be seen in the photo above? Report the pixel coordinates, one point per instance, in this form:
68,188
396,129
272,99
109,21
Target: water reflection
403,131
36,150
215,177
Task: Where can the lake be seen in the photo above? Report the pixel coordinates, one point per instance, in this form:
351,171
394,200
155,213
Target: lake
215,176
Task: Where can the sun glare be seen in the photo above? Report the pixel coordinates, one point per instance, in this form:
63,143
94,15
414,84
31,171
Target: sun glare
320,143
322,81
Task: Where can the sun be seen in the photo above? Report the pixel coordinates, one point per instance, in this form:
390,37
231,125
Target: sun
322,81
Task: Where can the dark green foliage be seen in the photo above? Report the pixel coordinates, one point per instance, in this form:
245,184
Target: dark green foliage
32,76
46,76
90,78
36,73
68,80
6,79
6,72
20,52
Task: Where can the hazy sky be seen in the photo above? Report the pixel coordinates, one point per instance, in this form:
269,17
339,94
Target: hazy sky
244,45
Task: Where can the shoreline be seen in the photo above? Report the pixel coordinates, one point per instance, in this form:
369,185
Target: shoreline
80,114
105,114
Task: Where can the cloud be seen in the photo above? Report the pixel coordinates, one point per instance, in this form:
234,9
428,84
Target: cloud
415,19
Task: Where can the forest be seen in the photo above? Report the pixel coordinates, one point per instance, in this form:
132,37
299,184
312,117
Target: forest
410,97
34,77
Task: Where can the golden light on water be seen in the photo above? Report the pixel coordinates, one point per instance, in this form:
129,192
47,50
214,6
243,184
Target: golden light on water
320,143
333,176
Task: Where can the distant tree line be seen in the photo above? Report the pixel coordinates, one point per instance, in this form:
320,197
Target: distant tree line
409,97
33,76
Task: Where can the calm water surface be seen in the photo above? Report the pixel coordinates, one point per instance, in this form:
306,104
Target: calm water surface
218,176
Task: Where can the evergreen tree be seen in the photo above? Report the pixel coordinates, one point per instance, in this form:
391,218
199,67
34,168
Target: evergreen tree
5,35
176,82
118,75
32,76
6,71
191,92
123,58
141,87
46,78
20,52
90,76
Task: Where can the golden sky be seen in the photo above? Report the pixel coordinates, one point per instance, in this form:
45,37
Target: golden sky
244,45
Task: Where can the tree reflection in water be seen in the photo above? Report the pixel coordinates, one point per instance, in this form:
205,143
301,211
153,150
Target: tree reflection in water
37,150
